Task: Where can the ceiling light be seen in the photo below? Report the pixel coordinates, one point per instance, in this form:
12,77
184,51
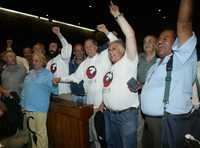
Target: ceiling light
45,19
17,12
71,25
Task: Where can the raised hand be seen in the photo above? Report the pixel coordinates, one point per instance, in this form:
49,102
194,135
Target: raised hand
131,46
114,9
102,28
56,80
56,30
9,42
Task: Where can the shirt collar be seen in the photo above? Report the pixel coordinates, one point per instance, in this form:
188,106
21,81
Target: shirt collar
165,60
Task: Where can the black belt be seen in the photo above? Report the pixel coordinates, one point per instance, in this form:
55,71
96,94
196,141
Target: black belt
122,111
175,115
81,95
148,116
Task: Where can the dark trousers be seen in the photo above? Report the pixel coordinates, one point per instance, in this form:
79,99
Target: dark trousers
195,124
174,129
152,132
100,128
168,131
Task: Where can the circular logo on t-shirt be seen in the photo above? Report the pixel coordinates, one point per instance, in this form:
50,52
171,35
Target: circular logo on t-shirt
91,72
107,79
53,67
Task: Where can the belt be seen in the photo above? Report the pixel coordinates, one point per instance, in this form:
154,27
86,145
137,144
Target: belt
122,111
148,116
167,114
80,95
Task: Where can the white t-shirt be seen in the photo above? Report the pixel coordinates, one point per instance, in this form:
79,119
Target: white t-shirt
91,71
116,94
59,65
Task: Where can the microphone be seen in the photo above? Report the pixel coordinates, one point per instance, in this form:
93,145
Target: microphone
190,137
1,146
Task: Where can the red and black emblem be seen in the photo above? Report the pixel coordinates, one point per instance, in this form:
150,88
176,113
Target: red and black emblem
107,79
53,67
91,72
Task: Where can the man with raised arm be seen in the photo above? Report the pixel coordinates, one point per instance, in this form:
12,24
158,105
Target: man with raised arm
91,71
166,96
59,65
119,96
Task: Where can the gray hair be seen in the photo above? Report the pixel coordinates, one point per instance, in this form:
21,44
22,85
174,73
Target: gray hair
119,41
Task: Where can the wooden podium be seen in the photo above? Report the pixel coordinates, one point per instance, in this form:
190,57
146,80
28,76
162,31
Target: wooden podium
67,124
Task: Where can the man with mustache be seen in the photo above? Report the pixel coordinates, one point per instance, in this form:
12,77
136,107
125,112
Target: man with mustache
120,97
166,98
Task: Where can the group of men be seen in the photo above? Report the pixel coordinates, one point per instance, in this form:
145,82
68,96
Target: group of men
109,81
166,94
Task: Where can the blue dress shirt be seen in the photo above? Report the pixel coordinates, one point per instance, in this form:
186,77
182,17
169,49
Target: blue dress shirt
183,75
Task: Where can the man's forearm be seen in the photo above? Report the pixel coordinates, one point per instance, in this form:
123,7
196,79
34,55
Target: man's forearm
70,78
185,11
184,22
62,40
131,45
125,26
111,37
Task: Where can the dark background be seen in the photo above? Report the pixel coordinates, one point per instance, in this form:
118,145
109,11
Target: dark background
146,16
